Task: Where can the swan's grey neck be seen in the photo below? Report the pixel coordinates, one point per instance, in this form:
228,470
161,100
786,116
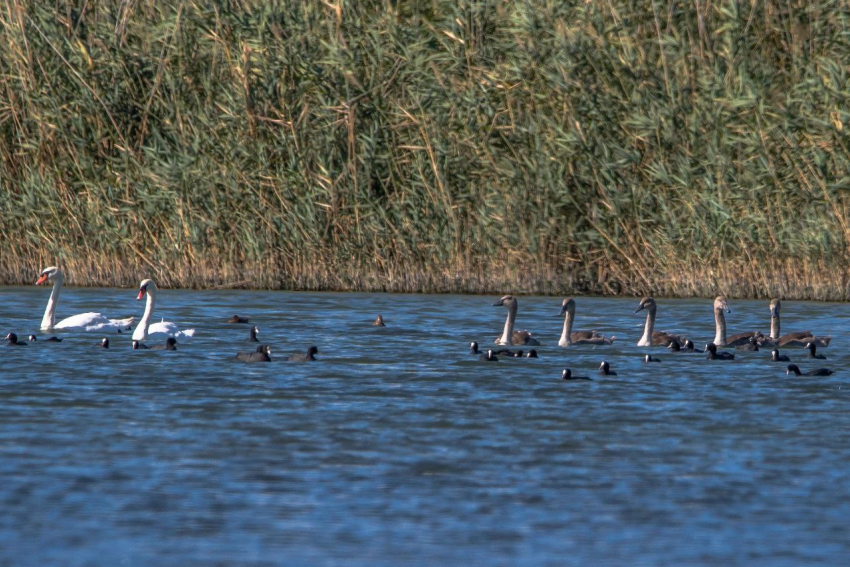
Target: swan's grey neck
774,327
646,339
141,332
566,334
49,318
720,326
507,336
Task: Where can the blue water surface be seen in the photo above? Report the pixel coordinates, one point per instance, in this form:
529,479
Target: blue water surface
398,447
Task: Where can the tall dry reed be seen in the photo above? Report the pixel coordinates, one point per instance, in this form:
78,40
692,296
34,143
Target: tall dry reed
679,148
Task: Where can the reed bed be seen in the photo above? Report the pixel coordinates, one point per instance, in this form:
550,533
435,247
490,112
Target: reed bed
622,147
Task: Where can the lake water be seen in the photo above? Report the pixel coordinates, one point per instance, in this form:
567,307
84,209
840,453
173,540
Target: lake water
398,447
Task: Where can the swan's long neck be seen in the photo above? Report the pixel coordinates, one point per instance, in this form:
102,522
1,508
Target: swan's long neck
141,332
720,326
49,318
646,339
774,327
507,334
566,334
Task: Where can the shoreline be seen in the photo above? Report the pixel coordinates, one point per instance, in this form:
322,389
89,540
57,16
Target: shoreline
735,282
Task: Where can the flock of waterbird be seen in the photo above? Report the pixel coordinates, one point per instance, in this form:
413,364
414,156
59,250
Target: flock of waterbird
749,341
96,322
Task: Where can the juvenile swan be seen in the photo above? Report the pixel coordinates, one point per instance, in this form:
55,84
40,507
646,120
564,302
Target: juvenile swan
799,338
570,337
651,337
720,338
510,337
81,322
144,328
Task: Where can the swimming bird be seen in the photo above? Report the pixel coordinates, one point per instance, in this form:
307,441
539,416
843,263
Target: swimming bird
473,348
303,357
650,336
81,322
170,344
711,349
720,338
262,354
650,358
488,357
104,343
819,372
145,328
688,346
253,335
517,354
570,337
799,338
675,346
140,346
776,357
812,348
510,337
379,322
238,319
605,369
12,340
33,338
752,345
567,374
531,354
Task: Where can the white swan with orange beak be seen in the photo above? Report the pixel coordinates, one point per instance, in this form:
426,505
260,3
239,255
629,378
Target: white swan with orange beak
81,322
144,329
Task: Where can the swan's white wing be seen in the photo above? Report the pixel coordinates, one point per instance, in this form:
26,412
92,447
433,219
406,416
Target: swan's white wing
82,321
170,329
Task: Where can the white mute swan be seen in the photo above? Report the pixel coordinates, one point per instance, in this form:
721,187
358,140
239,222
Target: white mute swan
144,328
81,322
510,337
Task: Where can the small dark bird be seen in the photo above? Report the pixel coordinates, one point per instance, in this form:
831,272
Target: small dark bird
262,354
379,322
776,357
170,344
104,342
253,335
506,351
140,346
488,357
752,344
689,347
303,357
33,338
567,374
711,349
237,319
675,346
473,348
813,348
650,358
819,372
12,340
531,354
517,354
605,369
